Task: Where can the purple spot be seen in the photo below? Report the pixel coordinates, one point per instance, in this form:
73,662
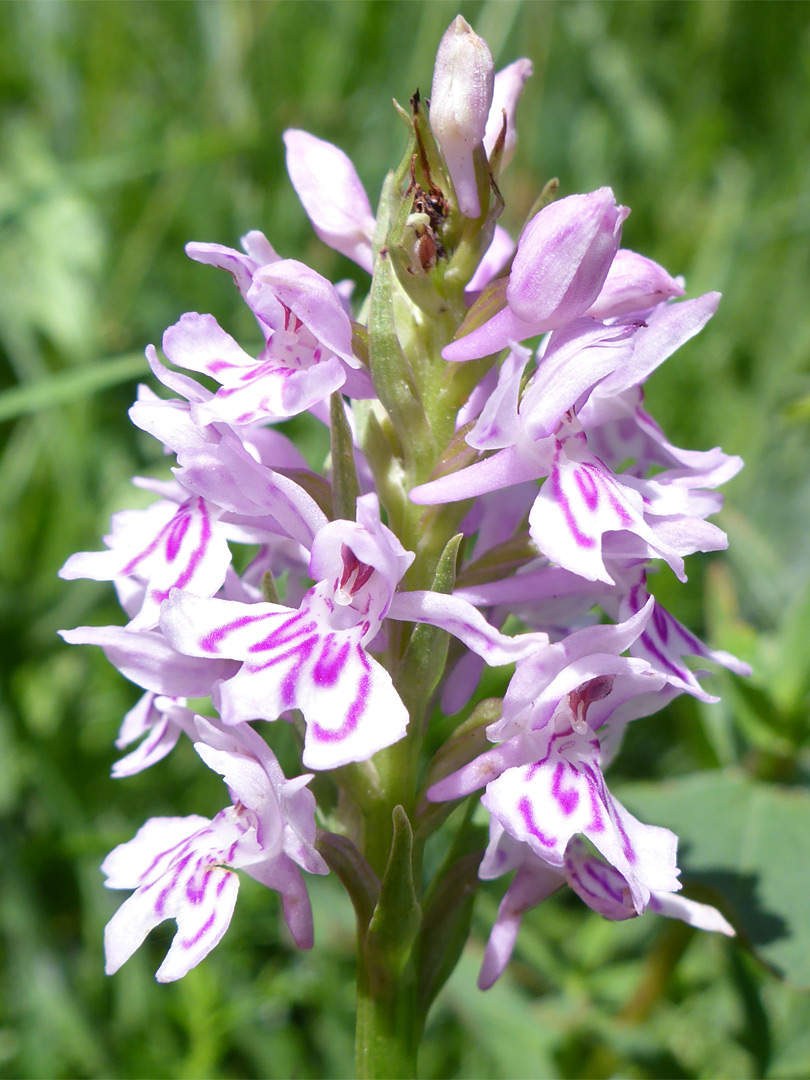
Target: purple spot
331,661
176,534
568,800
588,488
525,811
195,895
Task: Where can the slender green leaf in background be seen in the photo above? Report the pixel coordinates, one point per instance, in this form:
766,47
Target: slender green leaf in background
58,390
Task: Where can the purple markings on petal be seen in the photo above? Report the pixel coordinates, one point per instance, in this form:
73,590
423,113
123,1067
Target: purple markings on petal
597,823
133,564
617,505
172,536
157,860
695,645
588,488
195,894
199,551
285,633
210,642
177,531
682,672
188,943
331,661
289,683
561,499
603,881
525,810
358,706
627,847
160,903
537,765
568,800
356,709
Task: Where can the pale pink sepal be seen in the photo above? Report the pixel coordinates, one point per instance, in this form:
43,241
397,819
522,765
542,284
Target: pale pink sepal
147,659
332,195
633,283
465,622
506,94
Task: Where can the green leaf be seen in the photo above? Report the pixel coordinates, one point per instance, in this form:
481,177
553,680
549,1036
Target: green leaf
269,589
357,877
446,926
792,668
345,487
467,741
502,1024
424,659
70,386
748,843
393,377
396,919
491,301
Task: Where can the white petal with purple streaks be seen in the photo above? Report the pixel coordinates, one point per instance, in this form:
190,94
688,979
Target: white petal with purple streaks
294,660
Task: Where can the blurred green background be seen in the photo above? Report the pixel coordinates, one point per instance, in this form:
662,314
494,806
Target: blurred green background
128,129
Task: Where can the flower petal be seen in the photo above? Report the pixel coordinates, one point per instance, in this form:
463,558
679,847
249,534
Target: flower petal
332,195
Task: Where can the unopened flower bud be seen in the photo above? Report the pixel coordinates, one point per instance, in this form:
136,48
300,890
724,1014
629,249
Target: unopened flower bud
563,258
561,263
459,106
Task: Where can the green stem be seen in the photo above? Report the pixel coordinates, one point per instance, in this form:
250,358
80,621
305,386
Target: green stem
387,1034
387,1018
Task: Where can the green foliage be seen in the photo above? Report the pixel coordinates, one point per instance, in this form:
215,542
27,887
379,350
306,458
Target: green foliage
130,128
749,844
